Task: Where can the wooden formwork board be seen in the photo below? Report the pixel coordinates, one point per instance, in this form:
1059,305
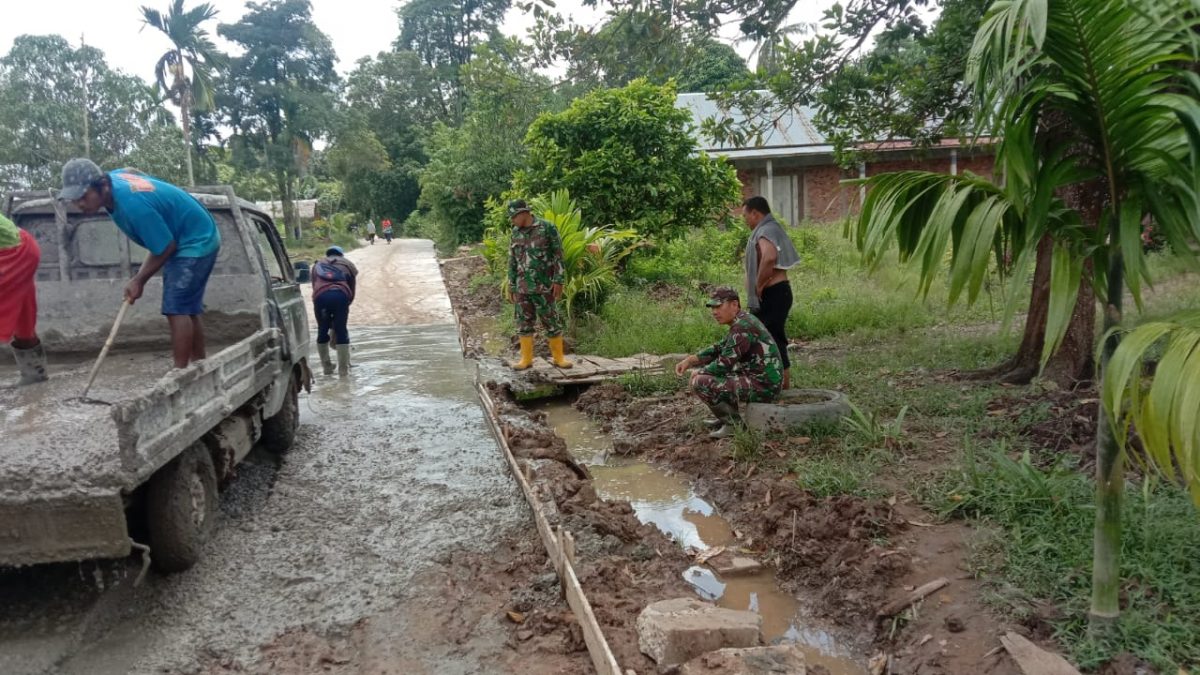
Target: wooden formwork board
560,547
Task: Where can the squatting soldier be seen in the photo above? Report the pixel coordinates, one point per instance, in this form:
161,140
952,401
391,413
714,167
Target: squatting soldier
744,366
535,280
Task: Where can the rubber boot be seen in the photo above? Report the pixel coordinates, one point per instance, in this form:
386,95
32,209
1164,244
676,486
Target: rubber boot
729,417
31,363
343,352
326,362
556,351
526,353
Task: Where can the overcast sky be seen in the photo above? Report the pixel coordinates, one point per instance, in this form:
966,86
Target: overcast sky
357,28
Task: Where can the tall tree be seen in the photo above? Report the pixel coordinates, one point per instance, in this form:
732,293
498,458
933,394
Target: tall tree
443,34
191,50
280,92
1093,95
44,105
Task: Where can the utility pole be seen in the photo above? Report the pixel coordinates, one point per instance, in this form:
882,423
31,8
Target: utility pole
87,134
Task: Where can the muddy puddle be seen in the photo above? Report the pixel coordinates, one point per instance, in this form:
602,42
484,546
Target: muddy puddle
668,501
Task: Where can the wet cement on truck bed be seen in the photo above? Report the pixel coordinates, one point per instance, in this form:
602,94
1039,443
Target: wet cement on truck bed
393,469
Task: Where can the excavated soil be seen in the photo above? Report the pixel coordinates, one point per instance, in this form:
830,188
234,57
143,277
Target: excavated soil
622,563
849,555
476,304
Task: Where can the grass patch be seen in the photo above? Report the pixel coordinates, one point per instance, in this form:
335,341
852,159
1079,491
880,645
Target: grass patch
312,247
840,471
642,384
747,444
1042,552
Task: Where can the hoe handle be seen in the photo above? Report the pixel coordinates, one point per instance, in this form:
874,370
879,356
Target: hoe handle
112,335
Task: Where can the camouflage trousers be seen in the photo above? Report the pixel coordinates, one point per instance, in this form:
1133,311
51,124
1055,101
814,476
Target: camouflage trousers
713,390
530,307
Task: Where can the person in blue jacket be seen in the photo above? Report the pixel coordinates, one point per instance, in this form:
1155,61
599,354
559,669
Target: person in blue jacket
177,231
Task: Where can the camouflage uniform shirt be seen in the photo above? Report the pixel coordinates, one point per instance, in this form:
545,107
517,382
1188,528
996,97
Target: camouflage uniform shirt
748,350
535,259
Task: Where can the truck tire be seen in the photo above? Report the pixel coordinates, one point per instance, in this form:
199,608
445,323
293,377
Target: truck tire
279,430
181,508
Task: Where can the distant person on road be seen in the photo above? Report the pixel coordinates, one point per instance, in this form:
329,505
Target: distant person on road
334,280
19,258
172,225
535,282
769,255
387,230
371,231
744,366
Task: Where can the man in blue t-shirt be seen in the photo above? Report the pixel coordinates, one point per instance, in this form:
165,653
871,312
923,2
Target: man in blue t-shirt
179,233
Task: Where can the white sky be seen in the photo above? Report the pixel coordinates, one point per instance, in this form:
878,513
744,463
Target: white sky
357,28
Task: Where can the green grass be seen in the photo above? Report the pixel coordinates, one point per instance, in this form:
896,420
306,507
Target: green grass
313,248
840,471
1041,551
641,384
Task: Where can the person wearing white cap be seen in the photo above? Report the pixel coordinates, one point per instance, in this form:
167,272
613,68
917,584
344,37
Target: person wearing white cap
334,279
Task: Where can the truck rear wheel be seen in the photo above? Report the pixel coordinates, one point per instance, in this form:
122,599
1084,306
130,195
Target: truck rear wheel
181,508
279,430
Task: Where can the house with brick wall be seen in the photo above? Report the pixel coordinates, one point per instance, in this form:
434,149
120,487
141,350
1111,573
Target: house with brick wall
794,166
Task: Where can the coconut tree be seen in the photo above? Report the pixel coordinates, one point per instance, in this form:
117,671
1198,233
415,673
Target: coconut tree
185,72
1097,107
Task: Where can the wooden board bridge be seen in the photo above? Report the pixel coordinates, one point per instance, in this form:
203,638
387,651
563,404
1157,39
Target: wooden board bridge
593,369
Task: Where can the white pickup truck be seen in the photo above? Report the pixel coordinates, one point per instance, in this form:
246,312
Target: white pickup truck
77,477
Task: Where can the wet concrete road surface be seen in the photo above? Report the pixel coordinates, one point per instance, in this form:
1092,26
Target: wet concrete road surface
392,470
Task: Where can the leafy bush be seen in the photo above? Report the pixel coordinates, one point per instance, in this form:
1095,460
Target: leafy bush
628,155
591,255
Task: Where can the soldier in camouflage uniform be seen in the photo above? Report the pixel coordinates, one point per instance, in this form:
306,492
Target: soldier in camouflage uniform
535,281
744,366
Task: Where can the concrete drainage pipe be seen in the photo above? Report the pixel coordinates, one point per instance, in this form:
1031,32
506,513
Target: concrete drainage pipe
798,408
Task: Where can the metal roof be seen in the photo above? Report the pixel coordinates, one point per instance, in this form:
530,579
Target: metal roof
793,134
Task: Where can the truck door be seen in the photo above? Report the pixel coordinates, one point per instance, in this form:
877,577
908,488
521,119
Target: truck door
284,287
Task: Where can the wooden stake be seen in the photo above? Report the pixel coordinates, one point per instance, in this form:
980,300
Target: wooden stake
897,606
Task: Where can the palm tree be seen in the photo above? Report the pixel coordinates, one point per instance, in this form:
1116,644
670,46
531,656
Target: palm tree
1097,108
192,50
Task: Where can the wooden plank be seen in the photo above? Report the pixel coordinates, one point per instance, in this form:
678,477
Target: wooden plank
561,555
897,606
1032,659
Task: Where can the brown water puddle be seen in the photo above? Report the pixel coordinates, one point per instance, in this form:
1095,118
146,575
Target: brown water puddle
666,500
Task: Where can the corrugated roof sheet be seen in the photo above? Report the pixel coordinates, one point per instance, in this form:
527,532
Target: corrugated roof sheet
794,129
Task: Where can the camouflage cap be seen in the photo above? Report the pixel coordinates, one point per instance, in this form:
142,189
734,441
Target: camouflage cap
77,176
517,206
720,296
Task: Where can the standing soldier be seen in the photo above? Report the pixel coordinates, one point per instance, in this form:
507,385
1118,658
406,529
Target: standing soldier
19,257
744,366
535,281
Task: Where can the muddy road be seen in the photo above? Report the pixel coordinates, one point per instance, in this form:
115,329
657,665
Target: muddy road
393,471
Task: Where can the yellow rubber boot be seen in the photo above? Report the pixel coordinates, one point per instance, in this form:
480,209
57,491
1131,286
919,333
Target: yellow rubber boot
556,350
526,353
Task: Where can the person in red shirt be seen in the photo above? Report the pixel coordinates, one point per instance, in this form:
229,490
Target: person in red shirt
387,229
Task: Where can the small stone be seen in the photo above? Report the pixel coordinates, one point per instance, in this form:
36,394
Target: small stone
955,624
524,634
780,660
674,631
735,565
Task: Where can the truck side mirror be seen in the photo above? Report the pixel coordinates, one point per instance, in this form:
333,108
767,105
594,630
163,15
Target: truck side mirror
302,272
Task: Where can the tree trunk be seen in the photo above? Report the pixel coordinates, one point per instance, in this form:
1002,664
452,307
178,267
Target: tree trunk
185,114
288,204
1110,468
1073,361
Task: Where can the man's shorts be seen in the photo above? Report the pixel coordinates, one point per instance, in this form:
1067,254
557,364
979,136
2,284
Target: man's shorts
184,281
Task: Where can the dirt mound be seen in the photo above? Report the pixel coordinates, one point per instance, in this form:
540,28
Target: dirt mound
604,401
475,303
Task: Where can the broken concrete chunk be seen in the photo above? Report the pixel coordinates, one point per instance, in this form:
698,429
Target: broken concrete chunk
728,565
780,660
674,631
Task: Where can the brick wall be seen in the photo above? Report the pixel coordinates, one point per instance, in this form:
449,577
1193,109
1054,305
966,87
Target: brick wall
825,199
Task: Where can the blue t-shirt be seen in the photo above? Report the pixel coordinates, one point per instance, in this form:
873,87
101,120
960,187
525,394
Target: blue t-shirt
153,213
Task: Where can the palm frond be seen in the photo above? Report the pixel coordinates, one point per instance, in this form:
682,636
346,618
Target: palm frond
1164,412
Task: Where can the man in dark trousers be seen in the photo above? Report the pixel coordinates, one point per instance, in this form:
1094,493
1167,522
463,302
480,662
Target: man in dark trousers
769,255
334,279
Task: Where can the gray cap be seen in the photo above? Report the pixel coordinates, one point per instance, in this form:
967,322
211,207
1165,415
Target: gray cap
77,176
